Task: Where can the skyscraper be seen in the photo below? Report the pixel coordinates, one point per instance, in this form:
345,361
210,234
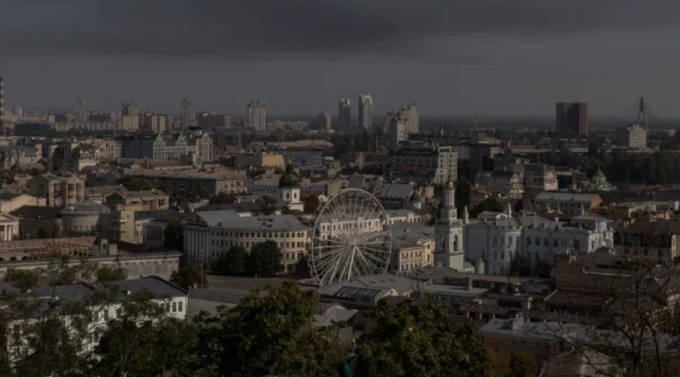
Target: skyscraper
365,111
257,115
572,119
129,108
18,113
2,103
410,116
325,121
186,115
81,112
345,114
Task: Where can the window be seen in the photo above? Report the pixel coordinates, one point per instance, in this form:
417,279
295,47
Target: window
538,241
174,307
546,242
502,255
555,242
522,343
106,315
528,240
180,306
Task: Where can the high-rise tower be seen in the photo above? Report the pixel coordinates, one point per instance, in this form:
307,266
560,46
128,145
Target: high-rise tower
186,115
81,112
365,111
572,119
129,108
344,114
257,115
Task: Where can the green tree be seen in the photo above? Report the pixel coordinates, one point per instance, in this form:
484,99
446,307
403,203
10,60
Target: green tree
267,206
234,261
174,237
463,195
519,266
489,204
522,367
419,341
311,203
222,198
286,211
270,335
542,269
189,277
265,259
106,273
302,266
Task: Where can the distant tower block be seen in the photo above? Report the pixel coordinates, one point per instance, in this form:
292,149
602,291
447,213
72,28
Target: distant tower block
2,103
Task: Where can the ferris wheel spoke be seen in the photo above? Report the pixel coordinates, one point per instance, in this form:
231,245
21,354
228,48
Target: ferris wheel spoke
372,264
373,237
374,254
373,250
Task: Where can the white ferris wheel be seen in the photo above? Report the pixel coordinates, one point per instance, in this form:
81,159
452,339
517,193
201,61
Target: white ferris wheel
351,238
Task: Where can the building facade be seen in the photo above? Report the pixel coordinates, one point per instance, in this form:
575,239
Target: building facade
423,162
572,119
365,111
411,117
634,137
449,233
257,115
344,114
56,190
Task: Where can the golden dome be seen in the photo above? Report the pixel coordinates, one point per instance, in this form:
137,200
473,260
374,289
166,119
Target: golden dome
449,185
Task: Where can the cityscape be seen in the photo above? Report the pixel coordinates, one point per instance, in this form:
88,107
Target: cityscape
389,229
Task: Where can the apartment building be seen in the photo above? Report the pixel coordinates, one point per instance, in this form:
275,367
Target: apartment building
539,178
423,162
139,200
57,190
566,203
191,183
634,137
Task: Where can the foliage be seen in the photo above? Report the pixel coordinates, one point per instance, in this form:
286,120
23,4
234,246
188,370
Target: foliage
269,335
189,277
302,266
267,207
542,269
234,261
463,195
286,211
422,340
519,266
105,274
489,204
174,237
522,367
265,259
134,184
222,198
311,203
519,205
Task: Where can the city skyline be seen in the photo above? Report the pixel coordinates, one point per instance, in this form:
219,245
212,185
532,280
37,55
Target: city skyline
485,57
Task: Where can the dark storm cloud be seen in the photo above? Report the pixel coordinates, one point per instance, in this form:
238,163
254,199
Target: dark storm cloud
236,28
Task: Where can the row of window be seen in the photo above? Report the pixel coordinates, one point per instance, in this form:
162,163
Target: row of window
268,235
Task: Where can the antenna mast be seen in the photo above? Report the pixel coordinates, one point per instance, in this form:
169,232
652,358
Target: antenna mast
642,114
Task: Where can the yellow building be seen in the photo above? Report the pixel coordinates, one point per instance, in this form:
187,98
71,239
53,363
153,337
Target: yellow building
260,160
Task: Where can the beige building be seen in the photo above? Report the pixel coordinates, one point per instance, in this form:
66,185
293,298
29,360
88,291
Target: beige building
136,261
130,123
324,121
10,201
191,183
110,149
539,178
260,160
57,190
141,200
412,246
634,137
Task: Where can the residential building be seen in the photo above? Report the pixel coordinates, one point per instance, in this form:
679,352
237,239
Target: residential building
572,119
482,157
129,108
188,183
655,239
365,111
634,137
187,116
257,115
397,131
212,233
412,246
411,118
129,123
12,201
110,149
506,183
170,148
57,190
138,146
259,160
81,112
566,203
18,156
498,238
422,162
324,121
140,200
213,120
156,123
135,260
204,148
539,178
449,233
344,114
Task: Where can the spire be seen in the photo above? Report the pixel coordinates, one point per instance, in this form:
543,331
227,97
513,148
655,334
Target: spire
509,210
583,210
466,215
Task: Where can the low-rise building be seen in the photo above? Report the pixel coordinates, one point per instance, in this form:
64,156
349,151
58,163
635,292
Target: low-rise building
422,162
57,190
12,201
189,183
567,203
139,200
260,160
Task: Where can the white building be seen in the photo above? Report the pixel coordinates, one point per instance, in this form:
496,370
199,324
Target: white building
449,234
497,238
208,237
410,115
365,111
634,137
257,115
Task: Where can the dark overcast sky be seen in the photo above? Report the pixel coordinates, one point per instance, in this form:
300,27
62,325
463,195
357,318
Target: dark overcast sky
453,57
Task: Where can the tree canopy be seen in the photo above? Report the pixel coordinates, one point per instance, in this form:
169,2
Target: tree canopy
265,259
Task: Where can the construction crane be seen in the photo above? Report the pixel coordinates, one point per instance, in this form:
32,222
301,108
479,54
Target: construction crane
476,122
